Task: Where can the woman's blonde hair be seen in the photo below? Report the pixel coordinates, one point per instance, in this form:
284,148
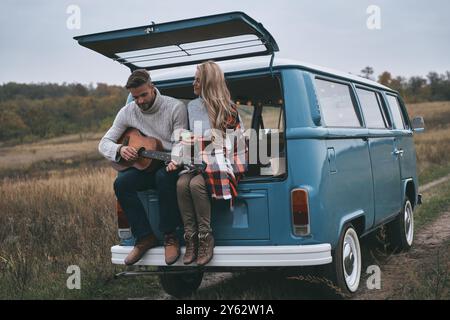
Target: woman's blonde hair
216,95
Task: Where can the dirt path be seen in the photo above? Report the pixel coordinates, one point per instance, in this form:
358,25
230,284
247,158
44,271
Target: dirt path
434,183
398,270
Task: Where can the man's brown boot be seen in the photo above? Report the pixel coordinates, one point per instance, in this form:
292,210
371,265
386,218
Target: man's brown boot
140,248
205,248
191,248
171,248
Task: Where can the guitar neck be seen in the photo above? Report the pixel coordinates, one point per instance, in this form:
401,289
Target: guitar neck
158,155
166,156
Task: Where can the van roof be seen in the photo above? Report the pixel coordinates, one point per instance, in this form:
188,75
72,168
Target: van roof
258,63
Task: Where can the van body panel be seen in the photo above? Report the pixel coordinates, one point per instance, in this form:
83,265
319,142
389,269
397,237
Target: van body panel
351,216
307,168
247,219
349,188
404,144
408,159
301,105
408,164
386,177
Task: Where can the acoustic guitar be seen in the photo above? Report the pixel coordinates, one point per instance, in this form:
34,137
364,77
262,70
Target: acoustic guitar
151,153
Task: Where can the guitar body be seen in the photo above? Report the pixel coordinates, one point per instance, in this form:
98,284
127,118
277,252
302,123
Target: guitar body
134,138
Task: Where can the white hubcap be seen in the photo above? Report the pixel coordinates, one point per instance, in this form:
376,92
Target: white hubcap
409,223
351,260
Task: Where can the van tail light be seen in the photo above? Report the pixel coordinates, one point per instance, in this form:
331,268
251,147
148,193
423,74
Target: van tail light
300,211
122,223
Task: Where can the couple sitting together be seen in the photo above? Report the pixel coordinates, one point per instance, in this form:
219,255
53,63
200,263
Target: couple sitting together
185,193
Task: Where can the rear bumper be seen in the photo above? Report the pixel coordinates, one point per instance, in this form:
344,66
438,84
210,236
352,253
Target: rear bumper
241,256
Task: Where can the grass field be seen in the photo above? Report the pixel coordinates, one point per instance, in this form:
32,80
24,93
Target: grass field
57,210
48,224
433,145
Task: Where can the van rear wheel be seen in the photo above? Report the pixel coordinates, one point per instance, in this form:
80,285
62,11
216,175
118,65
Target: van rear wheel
346,265
180,285
400,232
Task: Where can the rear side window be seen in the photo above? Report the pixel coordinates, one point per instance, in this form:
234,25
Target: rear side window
246,114
336,102
372,110
396,112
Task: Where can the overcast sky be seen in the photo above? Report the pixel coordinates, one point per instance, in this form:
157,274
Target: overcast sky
414,38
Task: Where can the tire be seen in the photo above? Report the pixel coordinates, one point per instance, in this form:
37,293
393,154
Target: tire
400,232
180,285
345,270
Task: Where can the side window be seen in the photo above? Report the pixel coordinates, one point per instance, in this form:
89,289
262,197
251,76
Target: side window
271,138
336,103
246,114
272,118
396,112
372,110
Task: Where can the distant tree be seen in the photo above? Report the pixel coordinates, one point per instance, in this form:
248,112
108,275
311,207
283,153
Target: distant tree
11,125
80,90
398,84
367,72
385,78
437,85
447,85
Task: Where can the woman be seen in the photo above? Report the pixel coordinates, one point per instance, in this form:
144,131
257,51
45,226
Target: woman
213,116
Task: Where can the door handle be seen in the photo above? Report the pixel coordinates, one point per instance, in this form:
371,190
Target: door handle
398,152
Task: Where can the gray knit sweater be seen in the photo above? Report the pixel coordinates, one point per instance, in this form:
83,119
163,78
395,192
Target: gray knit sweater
166,115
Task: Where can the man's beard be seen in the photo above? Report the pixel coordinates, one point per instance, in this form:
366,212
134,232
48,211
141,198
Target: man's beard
145,106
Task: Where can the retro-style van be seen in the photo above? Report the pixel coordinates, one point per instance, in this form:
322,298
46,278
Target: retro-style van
346,163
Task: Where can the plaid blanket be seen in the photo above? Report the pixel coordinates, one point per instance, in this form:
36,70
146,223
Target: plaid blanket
226,158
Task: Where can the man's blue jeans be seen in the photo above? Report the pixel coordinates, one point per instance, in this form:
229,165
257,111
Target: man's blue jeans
126,187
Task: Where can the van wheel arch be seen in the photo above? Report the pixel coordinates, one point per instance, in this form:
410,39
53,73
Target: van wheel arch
410,192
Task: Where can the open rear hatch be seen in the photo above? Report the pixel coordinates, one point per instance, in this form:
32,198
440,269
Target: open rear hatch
157,46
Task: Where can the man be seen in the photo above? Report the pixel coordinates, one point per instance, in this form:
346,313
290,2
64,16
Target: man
157,116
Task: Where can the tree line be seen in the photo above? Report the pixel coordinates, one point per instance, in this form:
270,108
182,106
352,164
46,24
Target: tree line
33,111
433,87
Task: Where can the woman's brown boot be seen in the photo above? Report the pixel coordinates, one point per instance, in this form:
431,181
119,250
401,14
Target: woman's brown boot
205,248
191,248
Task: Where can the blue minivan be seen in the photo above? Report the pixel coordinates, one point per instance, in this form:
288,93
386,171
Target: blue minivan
345,163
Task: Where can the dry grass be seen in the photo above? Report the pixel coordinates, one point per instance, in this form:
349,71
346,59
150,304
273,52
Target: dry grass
65,148
433,145
51,223
48,224
436,114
